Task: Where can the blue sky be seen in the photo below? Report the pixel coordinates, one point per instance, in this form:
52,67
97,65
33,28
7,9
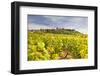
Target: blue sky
49,22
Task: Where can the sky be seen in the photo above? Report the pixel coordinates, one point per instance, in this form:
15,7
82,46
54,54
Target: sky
51,22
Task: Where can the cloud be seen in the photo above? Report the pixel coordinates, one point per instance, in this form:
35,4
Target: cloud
38,26
73,22
55,18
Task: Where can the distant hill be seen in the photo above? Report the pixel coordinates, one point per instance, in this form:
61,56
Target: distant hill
60,31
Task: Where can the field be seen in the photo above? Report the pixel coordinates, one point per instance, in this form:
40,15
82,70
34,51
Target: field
57,44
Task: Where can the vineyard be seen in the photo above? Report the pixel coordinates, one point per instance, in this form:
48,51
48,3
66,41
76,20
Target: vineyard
56,45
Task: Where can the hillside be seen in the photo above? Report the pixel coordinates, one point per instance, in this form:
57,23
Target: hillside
60,31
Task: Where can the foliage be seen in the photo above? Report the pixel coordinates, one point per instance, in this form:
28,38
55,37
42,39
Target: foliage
55,46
